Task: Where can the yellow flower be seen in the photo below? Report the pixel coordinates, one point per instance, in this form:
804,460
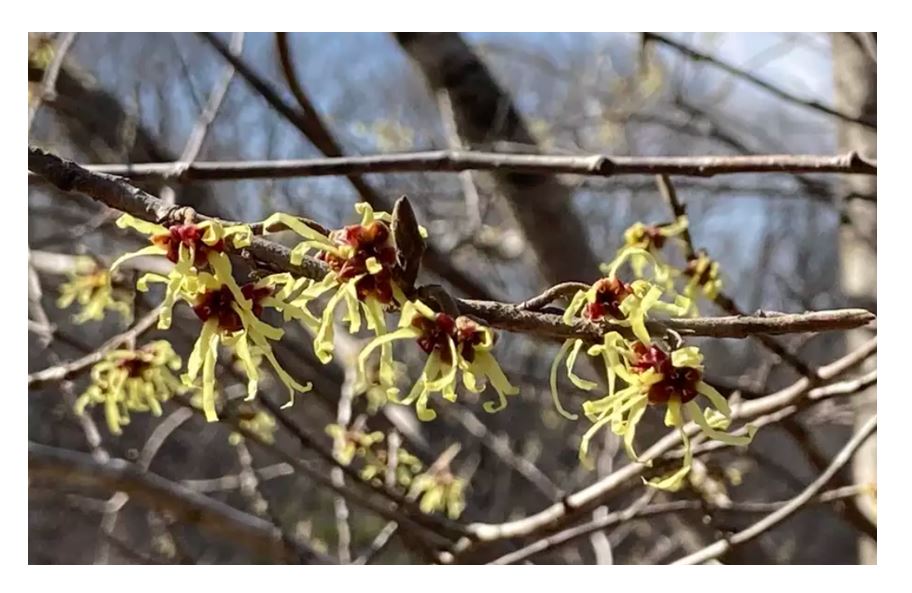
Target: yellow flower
452,345
362,263
617,303
191,248
656,377
257,421
91,286
439,491
651,239
352,442
132,381
231,315
703,277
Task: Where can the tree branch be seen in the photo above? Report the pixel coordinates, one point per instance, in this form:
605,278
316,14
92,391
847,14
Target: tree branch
842,458
79,469
756,81
453,161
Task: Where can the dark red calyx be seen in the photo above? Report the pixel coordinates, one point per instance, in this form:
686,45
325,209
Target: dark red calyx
609,294
218,304
191,236
368,241
676,381
436,334
135,366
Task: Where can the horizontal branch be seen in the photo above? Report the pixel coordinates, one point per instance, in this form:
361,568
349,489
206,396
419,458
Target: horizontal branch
80,469
451,161
117,193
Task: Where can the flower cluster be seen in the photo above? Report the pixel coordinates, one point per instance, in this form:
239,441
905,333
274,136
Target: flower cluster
652,375
453,346
231,314
440,491
92,288
137,380
644,244
362,261
436,489
657,377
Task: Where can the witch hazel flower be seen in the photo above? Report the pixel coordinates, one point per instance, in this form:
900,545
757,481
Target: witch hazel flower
362,275
657,377
192,248
231,316
611,303
652,239
132,380
94,289
454,346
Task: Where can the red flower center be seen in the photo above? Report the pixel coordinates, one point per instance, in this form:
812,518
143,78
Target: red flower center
692,268
191,236
371,240
135,366
218,304
679,381
436,334
609,294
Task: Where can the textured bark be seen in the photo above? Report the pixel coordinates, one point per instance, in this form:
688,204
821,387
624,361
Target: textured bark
485,114
855,78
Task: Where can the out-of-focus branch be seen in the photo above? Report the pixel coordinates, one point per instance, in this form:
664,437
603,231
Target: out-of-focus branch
79,469
450,161
755,80
62,371
49,80
842,458
307,120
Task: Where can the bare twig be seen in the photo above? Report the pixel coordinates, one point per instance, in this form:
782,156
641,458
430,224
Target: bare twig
639,511
755,80
448,161
63,371
842,458
49,80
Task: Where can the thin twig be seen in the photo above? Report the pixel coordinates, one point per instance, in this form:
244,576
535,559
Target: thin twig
755,80
63,371
842,458
49,80
450,161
